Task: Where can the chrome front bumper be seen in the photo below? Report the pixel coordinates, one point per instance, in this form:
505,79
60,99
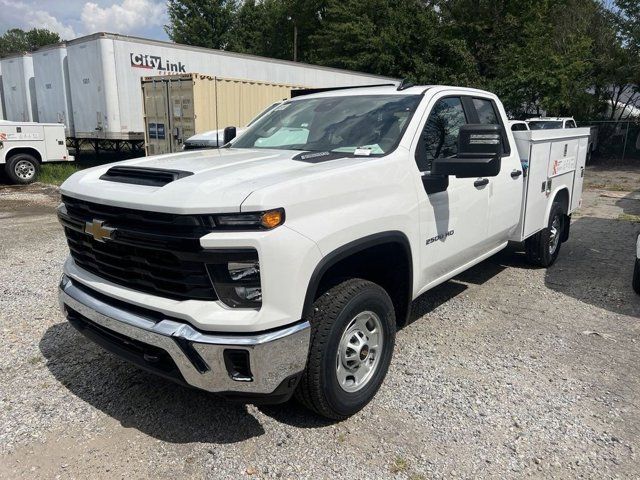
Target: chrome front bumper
274,356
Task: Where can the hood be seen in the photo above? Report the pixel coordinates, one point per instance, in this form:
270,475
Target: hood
220,180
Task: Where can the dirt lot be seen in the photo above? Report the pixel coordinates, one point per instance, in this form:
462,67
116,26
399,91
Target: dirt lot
505,371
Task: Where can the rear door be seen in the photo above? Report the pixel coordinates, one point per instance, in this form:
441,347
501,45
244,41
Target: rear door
453,217
506,189
157,117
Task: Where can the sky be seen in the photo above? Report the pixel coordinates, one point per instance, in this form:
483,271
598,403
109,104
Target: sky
75,18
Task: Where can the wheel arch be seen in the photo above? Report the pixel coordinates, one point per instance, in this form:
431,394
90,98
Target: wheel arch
351,260
563,197
34,152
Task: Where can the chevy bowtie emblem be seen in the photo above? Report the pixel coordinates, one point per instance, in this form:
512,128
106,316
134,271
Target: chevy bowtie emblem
98,231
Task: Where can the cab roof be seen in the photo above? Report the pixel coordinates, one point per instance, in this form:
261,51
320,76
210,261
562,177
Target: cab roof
385,90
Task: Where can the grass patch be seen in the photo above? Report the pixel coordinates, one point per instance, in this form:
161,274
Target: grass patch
56,173
626,217
615,187
35,360
399,465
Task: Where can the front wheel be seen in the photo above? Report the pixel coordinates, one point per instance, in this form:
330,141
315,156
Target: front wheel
636,276
22,168
352,338
543,248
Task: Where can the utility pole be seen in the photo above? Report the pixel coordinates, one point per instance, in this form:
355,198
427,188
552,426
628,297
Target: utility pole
295,41
295,38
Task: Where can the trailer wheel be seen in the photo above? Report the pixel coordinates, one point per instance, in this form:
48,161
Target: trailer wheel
22,168
636,276
352,338
542,249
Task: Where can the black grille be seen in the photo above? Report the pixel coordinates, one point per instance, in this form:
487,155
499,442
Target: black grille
153,252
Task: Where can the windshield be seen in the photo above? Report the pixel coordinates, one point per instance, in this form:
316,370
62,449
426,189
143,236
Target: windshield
359,125
263,113
544,125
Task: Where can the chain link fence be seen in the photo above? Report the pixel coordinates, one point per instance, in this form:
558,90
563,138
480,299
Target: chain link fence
614,141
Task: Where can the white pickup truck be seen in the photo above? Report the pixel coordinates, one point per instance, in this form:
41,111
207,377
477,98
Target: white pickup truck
283,263
24,146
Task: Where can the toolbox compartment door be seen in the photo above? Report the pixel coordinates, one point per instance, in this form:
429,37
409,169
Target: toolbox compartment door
576,197
555,159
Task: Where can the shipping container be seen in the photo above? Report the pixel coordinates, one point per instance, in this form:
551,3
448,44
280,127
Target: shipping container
51,73
177,107
105,72
19,88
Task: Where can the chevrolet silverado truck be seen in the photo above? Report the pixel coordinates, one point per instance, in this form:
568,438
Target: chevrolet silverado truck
283,263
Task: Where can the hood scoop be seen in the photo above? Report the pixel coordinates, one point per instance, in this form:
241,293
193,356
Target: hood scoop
152,177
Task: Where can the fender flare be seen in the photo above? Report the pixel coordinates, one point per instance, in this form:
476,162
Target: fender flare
8,154
349,249
553,197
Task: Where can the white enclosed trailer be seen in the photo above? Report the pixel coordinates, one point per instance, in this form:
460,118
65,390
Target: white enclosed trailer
105,72
19,88
51,73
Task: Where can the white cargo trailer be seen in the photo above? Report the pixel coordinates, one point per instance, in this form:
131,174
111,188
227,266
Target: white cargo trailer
105,72
18,84
53,96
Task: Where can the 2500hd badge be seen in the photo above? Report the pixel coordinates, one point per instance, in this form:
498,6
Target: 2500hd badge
442,236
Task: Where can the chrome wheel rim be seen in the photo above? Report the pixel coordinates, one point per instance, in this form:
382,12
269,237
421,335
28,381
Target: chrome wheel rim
359,351
24,170
554,234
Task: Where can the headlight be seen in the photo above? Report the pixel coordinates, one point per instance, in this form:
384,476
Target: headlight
249,221
236,278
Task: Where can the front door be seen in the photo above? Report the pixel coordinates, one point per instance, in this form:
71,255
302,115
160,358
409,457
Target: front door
453,217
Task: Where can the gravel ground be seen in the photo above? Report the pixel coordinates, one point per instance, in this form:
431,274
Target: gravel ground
506,371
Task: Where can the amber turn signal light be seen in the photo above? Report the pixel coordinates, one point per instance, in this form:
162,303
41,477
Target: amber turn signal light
272,218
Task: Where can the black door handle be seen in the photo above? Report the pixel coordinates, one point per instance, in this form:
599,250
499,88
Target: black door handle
516,173
481,182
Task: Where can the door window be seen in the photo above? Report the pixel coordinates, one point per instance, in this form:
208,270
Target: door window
570,124
440,134
486,112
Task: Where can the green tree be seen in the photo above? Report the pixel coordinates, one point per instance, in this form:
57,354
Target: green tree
399,38
272,27
535,54
17,40
204,23
625,65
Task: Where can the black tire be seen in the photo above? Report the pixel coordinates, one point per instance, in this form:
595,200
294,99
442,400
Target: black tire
636,277
22,168
538,247
332,314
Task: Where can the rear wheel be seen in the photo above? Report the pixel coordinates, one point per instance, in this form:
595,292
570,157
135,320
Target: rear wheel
543,248
352,339
636,277
22,168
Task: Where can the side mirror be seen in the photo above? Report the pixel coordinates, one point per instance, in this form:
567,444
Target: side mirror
228,135
479,153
